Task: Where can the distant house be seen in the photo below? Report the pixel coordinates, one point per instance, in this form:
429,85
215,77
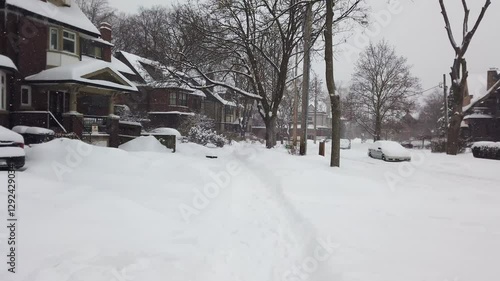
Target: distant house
162,100
56,70
482,111
323,121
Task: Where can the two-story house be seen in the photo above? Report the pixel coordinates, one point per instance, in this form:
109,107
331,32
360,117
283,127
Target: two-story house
162,99
165,101
482,111
57,69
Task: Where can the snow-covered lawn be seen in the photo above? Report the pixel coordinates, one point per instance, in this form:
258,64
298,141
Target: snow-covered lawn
99,214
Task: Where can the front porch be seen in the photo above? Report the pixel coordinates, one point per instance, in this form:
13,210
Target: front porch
76,99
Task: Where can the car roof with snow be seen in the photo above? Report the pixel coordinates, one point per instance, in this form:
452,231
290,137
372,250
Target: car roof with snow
10,136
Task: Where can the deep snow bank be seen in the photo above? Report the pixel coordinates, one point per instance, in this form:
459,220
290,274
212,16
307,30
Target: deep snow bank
100,214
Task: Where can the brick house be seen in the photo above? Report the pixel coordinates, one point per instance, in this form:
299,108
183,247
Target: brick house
162,100
57,70
482,111
165,101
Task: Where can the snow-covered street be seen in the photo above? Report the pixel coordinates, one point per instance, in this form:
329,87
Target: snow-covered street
101,214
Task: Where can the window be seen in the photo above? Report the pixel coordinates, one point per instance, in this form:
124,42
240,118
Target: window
69,42
54,39
229,114
183,99
91,50
173,99
3,91
26,95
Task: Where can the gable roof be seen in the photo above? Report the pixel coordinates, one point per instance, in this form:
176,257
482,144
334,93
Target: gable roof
154,74
82,73
479,98
68,15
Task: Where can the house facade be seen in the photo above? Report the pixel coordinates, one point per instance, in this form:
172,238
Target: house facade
165,101
57,70
162,101
482,111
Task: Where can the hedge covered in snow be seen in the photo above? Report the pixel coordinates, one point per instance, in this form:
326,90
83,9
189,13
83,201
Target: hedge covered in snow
204,136
486,149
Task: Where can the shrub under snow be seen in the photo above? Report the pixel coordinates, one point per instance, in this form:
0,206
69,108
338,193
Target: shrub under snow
204,136
486,149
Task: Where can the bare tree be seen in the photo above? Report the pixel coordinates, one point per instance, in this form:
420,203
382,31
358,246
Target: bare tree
459,72
351,10
432,113
383,87
98,11
253,40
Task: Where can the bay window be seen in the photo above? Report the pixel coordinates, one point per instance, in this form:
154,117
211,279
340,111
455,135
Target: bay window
183,100
173,99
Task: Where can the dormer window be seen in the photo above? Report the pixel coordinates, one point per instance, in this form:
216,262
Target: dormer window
69,42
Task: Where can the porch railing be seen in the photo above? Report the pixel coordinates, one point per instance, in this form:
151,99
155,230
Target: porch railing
49,116
92,120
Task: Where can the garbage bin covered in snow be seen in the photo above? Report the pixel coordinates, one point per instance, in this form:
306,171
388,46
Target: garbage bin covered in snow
34,135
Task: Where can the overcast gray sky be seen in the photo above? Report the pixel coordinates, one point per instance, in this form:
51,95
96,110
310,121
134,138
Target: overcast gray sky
417,31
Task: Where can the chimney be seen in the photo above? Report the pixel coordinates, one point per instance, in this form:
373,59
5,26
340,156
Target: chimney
492,77
105,30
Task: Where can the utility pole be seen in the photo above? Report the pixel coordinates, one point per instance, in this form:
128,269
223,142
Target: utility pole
315,108
306,76
295,100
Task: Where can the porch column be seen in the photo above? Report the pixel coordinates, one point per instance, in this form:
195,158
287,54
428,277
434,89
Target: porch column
72,120
111,105
113,123
73,101
223,118
113,130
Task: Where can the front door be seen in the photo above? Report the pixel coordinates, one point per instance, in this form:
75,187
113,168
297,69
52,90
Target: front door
58,104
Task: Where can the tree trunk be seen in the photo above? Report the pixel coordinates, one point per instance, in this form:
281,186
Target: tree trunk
458,75
270,131
378,128
305,78
453,143
330,83
335,157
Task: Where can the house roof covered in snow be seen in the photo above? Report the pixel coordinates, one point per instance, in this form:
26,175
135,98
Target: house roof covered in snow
83,73
6,62
70,15
481,96
156,75
478,116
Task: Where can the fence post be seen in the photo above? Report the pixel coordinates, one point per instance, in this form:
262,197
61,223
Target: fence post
322,148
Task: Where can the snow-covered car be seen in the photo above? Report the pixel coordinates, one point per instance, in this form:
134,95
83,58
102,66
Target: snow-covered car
34,135
11,149
345,144
389,151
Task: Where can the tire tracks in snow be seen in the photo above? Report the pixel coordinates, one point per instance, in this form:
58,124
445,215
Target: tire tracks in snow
305,233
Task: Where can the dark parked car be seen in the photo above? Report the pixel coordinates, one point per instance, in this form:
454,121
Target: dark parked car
407,144
12,153
34,135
